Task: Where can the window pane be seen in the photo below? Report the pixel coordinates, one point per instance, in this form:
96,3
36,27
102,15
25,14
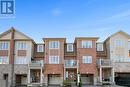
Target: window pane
4,60
54,59
54,44
22,46
21,60
86,44
99,47
119,43
69,47
87,59
40,48
4,45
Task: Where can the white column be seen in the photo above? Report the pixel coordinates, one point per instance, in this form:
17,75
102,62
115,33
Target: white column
77,75
100,74
41,81
113,75
64,73
29,75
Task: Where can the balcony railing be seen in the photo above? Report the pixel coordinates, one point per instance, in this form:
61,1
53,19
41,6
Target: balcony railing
104,62
71,64
38,63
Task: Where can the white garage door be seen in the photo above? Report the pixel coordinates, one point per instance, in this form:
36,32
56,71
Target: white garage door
54,80
86,79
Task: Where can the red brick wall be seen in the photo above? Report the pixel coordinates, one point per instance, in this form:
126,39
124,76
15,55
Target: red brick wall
3,52
53,69
87,68
54,52
22,52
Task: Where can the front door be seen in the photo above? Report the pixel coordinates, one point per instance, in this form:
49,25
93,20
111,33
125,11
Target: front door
18,79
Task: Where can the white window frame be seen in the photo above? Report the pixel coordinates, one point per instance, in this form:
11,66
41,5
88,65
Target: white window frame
100,47
119,43
87,44
54,60
22,45
4,45
129,45
87,59
54,44
21,60
40,48
4,60
70,48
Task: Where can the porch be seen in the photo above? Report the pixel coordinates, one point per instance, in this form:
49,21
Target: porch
35,73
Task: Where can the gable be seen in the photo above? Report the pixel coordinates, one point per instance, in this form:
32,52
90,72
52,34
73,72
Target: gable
6,36
121,33
19,35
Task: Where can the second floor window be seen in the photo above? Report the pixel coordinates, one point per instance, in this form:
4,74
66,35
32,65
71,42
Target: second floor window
4,60
119,43
21,60
40,48
99,47
86,44
54,45
53,59
22,46
129,45
4,45
87,59
69,47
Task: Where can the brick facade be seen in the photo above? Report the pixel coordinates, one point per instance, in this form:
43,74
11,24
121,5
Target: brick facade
60,71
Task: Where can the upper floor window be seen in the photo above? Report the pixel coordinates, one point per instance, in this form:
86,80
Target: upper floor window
86,44
40,48
99,46
21,60
54,44
4,45
70,47
4,60
129,45
87,59
119,43
54,59
22,46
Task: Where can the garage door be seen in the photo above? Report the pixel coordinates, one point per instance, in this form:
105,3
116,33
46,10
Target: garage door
87,79
54,80
122,79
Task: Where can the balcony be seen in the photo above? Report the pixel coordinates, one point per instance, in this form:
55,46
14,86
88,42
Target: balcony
104,63
36,64
71,64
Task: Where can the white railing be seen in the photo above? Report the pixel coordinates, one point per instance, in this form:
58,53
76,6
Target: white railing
121,60
71,63
104,62
36,63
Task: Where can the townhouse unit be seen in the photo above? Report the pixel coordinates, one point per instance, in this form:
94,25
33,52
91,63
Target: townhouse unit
24,62
16,51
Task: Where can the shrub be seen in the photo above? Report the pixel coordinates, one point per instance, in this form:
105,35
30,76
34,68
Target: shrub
66,83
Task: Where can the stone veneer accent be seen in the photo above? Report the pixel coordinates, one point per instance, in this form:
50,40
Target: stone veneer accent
6,69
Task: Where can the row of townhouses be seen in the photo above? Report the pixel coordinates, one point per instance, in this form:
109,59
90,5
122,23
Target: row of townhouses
22,61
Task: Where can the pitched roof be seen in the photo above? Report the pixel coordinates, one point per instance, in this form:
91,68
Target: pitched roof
13,29
121,32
